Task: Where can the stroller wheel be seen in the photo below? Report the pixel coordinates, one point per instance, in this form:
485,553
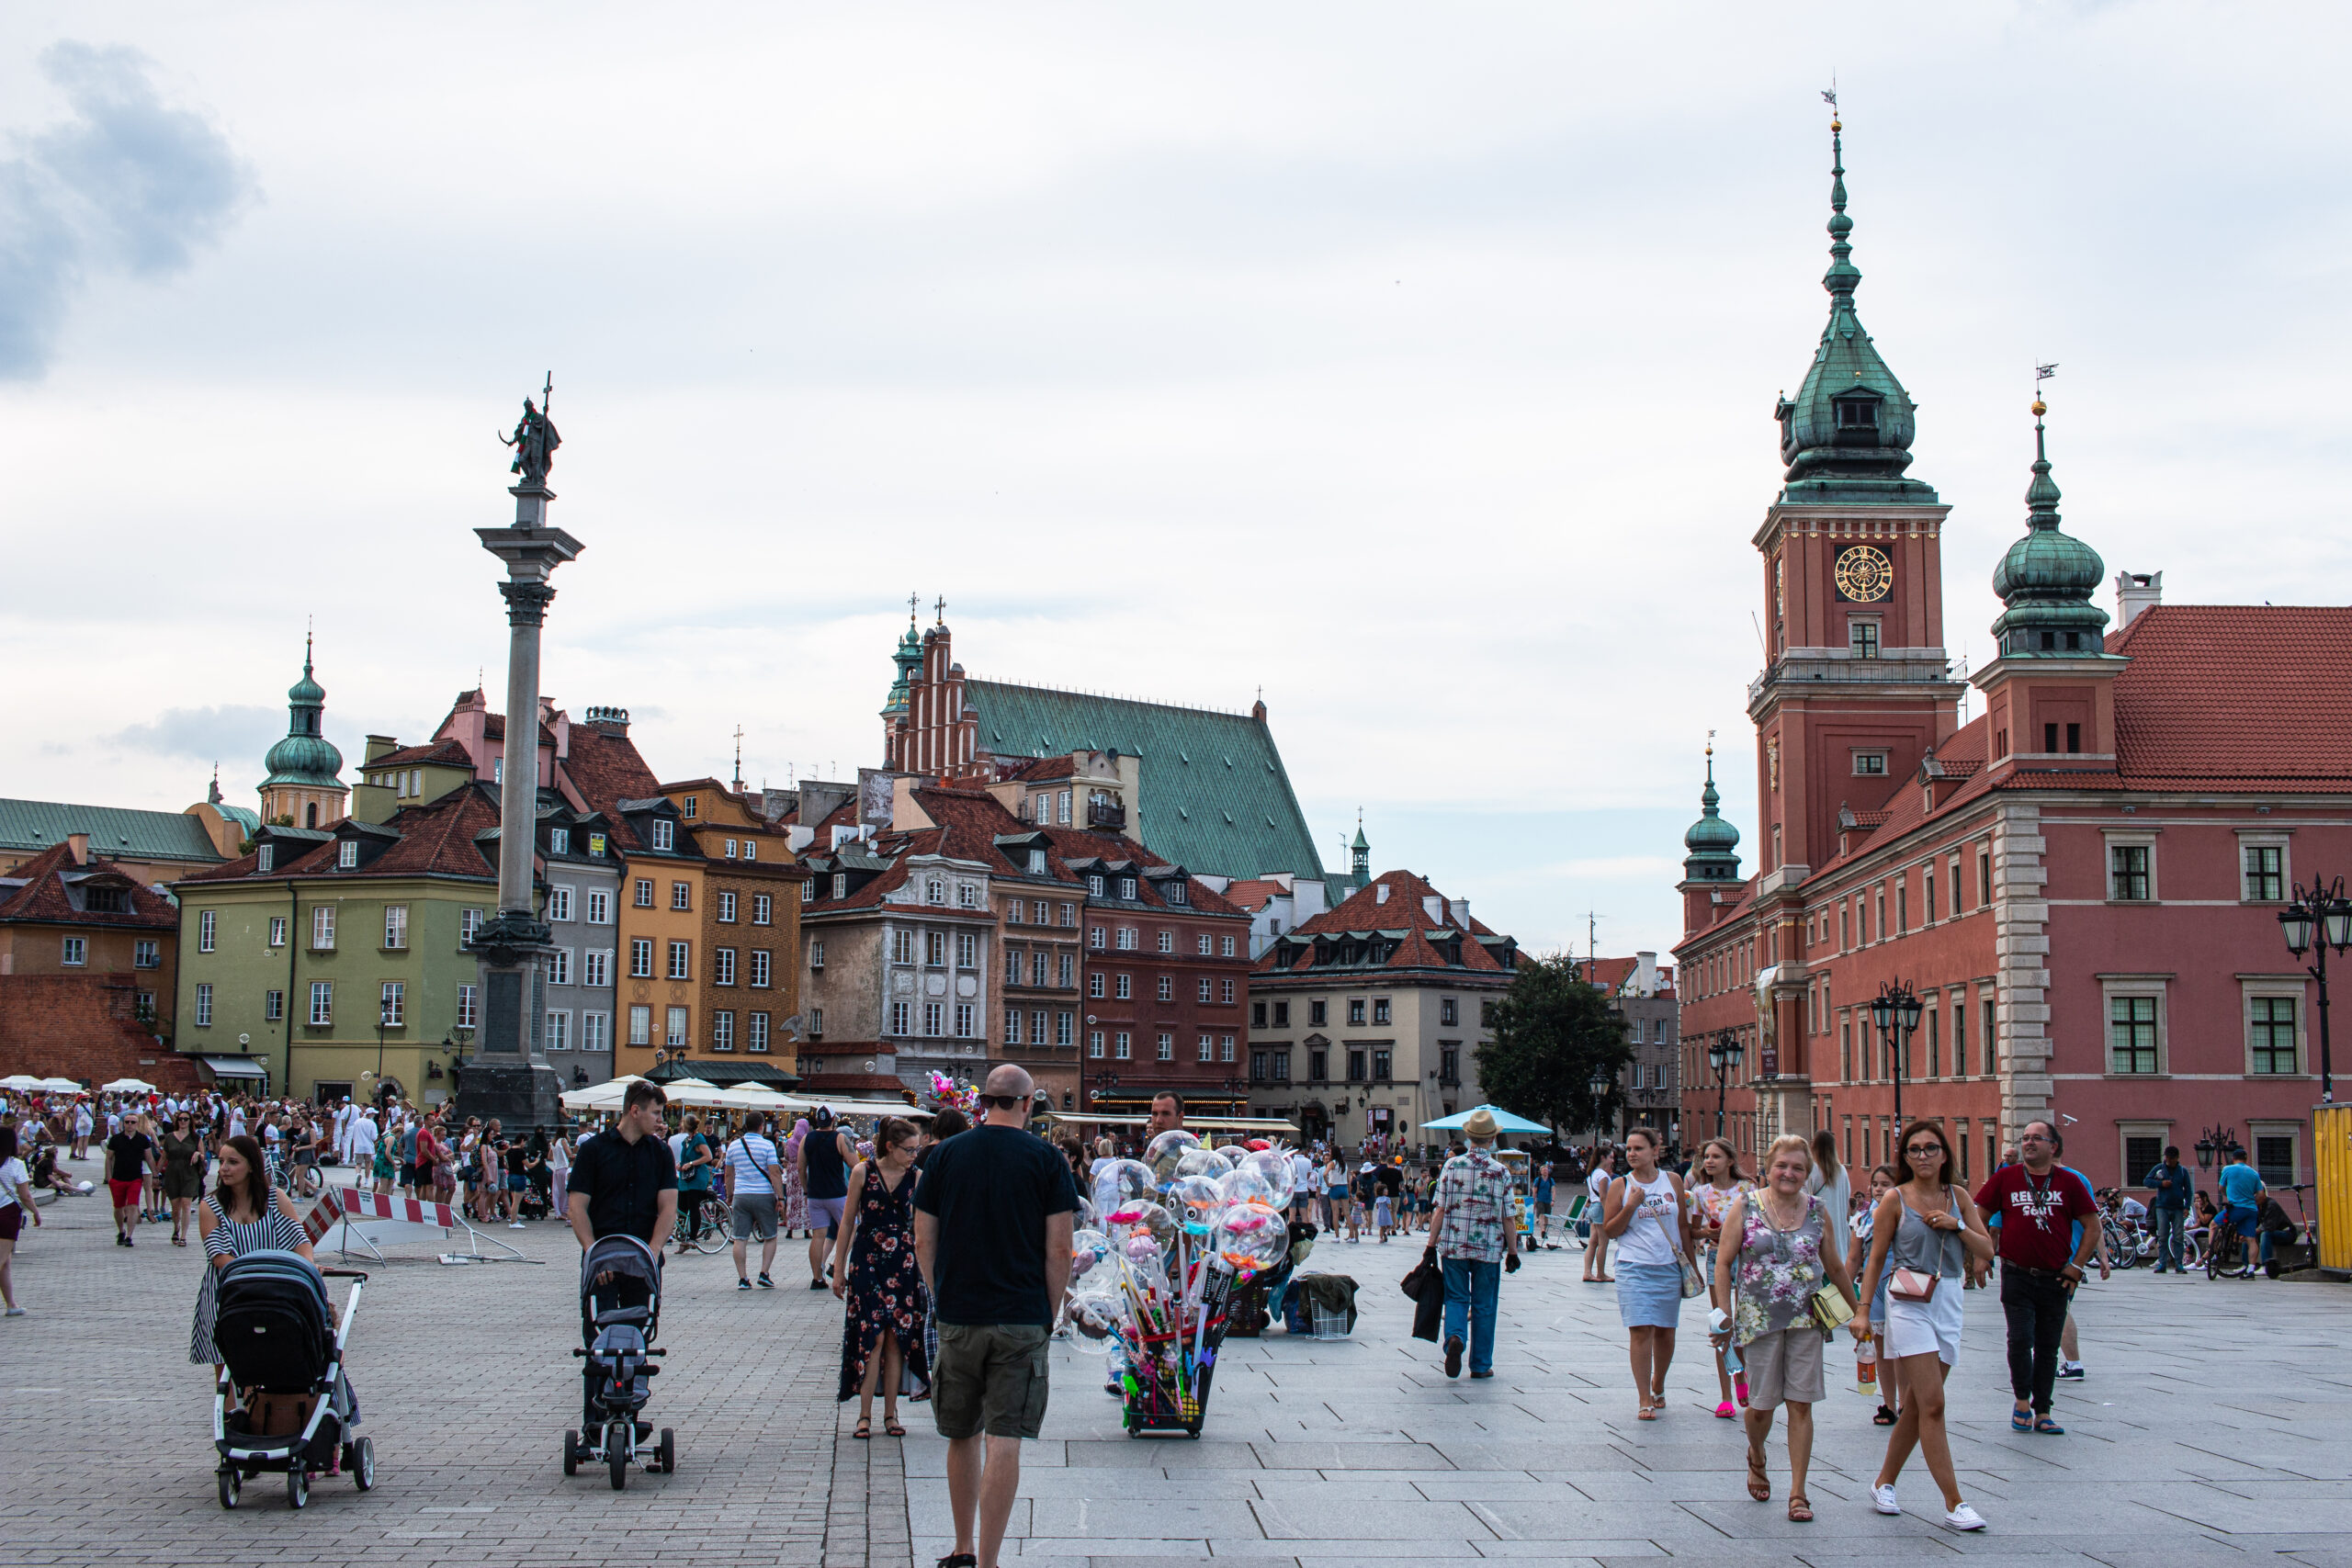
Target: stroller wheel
666,1452
362,1463
298,1484
616,1456
231,1487
571,1453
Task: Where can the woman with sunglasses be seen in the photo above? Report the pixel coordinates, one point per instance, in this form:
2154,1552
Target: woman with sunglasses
183,1172
1928,1228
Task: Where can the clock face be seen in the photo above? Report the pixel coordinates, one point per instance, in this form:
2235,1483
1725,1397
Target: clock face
1863,573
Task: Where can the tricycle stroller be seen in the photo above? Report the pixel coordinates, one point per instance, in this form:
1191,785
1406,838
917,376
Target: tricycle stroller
620,1312
283,1403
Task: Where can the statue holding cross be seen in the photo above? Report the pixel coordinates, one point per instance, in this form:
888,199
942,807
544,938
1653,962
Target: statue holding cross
534,440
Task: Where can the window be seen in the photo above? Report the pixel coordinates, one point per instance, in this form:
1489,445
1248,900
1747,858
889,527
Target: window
1207,1048
682,896
841,884
1065,1024
935,890
681,957
1095,883
1869,764
1167,941
1379,1006
1903,906
817,954
1380,1066
1125,987
1095,1044
266,857
1959,1034
1319,1012
964,1020
1012,966
278,931
559,1031
1037,1027
967,950
730,849
763,908
1224,1047
2274,1158
1013,1026
727,909
204,1006
1316,1067
600,907
1983,877
968,895
1204,988
1449,1065
640,1026
1070,915
393,1008
1037,862
1068,975
1122,1045
666,834
596,967
2127,872
1448,1011
2131,1034
1097,937
1281,1015
640,958
674,1029
468,1007
1355,1066
1094,984
558,904
755,1033
558,966
323,927
1202,946
1178,894
596,1032
816,1020
1257,1067
558,840
1486,1015
77,951
687,808
1061,809
1862,641
322,1002
1127,939
644,893
902,946
2270,1034
1355,1010
1225,947
722,966
1928,894
347,854
1040,967
902,1015
2265,874
762,968
206,926
273,1006
395,925
934,950
1128,888
1990,1068
934,1018
722,1030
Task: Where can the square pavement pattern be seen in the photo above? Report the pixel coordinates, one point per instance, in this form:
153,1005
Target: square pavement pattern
2213,1428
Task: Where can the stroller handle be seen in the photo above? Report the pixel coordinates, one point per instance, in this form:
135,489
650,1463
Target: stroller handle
343,1273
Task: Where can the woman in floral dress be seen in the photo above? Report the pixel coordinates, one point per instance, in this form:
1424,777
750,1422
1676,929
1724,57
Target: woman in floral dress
875,1273
796,1191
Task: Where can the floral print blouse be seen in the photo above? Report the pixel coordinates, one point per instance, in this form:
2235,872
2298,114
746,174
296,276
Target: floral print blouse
1775,1272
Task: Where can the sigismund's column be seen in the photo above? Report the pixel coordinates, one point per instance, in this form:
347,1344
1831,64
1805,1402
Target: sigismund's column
509,1076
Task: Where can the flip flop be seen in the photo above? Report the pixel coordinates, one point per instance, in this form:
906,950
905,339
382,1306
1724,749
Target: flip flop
2048,1427
2020,1420
1646,1413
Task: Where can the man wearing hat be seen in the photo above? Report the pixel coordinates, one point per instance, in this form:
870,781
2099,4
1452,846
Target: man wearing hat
1473,1233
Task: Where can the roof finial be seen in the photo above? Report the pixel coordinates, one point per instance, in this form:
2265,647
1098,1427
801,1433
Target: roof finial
1843,275
912,601
309,624
2042,494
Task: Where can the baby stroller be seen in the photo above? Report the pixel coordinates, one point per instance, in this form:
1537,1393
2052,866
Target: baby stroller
282,1348
618,1319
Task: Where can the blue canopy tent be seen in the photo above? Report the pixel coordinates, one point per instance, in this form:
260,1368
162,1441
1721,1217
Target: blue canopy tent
1504,1121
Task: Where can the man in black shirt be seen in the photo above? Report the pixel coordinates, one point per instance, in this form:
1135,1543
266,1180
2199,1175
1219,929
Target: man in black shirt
625,1181
992,1236
127,1156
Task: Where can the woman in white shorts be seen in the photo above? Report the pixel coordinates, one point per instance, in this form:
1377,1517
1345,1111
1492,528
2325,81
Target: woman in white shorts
1928,1228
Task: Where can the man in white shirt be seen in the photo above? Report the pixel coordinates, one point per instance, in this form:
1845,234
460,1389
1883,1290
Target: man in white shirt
344,1116
362,1135
1302,1184
755,1175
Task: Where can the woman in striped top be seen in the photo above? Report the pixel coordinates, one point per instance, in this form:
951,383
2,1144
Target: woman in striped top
245,1213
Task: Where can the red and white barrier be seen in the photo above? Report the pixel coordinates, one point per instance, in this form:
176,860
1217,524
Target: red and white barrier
374,1217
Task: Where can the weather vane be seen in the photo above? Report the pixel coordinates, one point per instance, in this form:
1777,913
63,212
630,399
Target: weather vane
2042,373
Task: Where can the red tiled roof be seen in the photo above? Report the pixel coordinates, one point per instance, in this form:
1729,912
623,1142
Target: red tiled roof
1403,910
1610,973
2254,692
445,752
437,838
43,896
1038,769
607,770
1254,894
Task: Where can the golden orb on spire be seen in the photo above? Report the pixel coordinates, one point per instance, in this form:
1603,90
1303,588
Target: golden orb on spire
1835,124
2039,408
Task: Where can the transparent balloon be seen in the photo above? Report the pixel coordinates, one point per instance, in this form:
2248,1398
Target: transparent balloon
1247,1186
1201,1162
1120,1182
1094,1319
1198,1199
1142,1219
1170,1145
1088,1251
1274,1166
1252,1238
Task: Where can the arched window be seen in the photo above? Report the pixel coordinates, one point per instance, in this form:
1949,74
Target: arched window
311,815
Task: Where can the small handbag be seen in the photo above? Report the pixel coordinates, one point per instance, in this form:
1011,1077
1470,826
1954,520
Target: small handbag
1830,1309
1692,1285
1910,1285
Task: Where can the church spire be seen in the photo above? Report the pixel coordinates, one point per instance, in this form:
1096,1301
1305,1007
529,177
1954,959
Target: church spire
2047,579
1714,844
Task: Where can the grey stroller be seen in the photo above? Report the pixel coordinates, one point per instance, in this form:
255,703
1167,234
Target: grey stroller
620,1312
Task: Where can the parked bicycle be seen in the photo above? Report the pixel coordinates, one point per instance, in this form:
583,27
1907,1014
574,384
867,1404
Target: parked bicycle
716,1220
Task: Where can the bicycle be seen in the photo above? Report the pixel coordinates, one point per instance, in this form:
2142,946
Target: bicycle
717,1220
2225,1257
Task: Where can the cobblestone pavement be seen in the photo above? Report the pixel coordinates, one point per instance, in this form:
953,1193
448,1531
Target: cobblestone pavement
467,1384
2213,1428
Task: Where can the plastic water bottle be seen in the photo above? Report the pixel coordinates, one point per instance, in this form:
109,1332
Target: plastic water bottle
1866,1368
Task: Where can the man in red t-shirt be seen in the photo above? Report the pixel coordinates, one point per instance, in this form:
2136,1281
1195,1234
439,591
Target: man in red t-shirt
2038,1204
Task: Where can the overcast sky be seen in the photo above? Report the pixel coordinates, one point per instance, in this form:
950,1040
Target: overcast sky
1416,363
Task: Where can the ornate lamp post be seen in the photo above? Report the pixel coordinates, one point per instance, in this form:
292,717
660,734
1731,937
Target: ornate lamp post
1722,1054
2326,913
1599,1084
1895,1011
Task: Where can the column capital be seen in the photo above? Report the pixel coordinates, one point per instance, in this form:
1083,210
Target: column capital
526,602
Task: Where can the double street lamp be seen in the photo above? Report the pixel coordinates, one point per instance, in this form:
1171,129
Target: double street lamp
1895,1011
1599,1086
2325,913
1722,1054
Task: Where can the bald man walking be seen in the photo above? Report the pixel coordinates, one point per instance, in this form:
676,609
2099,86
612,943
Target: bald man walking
992,1237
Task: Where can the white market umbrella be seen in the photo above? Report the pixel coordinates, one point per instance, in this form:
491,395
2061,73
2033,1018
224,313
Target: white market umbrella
751,1097
604,1095
21,1082
697,1092
128,1086
59,1086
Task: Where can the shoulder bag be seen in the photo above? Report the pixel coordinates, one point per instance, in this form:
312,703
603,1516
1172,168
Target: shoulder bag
1692,1285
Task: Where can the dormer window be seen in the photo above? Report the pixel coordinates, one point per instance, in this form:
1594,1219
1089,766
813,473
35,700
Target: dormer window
687,808
665,834
347,854
1095,884
1127,888
558,841
1036,862
266,857
1858,414
1177,894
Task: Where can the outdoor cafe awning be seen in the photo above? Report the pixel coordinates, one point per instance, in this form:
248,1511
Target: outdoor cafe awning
236,1066
1192,1123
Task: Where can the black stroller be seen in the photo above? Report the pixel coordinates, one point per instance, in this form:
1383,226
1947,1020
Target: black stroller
618,1319
282,1348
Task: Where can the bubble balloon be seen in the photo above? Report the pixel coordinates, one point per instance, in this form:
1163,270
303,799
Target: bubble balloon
1201,1162
1169,1146
1247,1186
1094,1318
1252,1238
1088,1249
1198,1196
1274,1166
1142,1219
1120,1182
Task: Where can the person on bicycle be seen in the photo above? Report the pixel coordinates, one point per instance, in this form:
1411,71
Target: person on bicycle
2242,1189
755,1175
697,1160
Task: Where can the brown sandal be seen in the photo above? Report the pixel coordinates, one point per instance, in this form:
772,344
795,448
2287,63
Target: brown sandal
1800,1508
1760,1486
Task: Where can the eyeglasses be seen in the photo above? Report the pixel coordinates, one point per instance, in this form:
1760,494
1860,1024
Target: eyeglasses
1925,1149
2033,1137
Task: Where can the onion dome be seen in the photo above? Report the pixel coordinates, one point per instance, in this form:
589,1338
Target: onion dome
305,757
908,656
2047,579
1714,844
1846,434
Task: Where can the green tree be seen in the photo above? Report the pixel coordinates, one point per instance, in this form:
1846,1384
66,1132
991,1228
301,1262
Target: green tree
1553,1032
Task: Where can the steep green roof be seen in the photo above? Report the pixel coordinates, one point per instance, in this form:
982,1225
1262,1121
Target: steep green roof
2047,579
115,831
1215,797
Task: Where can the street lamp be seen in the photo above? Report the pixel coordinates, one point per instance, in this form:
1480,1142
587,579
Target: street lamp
1896,1010
1598,1085
1722,1054
2324,911
2217,1143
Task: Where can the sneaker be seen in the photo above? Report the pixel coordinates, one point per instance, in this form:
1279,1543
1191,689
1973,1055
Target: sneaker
513,1224
2070,1371
1453,1355
16,1312
1113,1389
766,1283
1882,1500
1964,1519
742,1284
816,1284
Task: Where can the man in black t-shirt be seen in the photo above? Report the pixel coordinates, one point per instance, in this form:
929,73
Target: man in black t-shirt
992,1236
625,1181
126,1154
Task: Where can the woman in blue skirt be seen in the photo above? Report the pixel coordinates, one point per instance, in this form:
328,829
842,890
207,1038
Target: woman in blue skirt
1645,1215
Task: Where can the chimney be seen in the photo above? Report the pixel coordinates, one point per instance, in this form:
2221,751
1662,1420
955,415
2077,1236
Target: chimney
79,845
2135,591
1460,909
1434,907
1646,973
610,721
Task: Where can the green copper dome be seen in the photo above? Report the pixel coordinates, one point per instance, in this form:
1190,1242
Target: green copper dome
907,656
1714,844
1846,434
305,757
2047,579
